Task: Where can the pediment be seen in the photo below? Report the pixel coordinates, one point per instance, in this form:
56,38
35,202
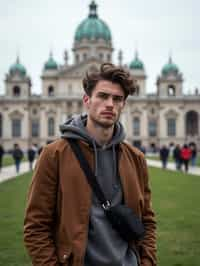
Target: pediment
79,70
16,114
171,114
136,112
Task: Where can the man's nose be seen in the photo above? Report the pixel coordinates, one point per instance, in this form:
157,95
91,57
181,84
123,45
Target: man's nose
110,101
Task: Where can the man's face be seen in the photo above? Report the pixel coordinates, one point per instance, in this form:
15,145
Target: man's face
105,104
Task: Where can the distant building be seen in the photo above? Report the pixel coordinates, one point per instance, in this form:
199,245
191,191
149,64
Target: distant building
166,117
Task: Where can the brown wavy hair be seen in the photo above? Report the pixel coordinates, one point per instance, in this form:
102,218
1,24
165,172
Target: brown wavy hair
111,73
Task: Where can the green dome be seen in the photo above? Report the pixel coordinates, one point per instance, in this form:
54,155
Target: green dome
136,63
51,63
93,27
170,67
18,67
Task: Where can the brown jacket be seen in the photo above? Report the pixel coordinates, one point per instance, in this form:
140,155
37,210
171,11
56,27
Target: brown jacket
59,201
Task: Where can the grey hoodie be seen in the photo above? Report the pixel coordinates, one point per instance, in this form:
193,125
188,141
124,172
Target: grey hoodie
104,247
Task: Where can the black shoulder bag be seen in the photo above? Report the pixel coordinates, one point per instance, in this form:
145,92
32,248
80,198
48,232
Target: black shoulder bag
122,218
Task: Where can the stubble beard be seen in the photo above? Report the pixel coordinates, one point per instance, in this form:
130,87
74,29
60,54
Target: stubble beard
104,125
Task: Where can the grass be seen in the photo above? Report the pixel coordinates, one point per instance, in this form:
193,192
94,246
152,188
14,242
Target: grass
176,200
12,204
8,160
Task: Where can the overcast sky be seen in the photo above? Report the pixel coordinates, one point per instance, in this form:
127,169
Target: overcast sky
156,28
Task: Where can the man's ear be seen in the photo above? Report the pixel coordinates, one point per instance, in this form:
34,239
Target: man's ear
86,100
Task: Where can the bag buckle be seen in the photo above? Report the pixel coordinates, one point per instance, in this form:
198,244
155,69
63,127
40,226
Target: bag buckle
106,205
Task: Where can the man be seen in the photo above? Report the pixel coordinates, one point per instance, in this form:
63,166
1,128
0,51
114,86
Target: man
31,156
164,154
17,156
64,223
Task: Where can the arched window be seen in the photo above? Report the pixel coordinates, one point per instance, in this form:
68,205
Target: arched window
171,127
50,91
192,123
16,127
1,126
152,128
101,56
171,90
35,128
108,57
77,58
84,56
16,91
51,127
136,126
137,90
70,89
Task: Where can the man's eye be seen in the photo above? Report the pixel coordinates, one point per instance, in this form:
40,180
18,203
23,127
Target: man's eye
103,95
117,98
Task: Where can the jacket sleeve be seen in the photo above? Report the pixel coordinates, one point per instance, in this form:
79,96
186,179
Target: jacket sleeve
40,212
147,247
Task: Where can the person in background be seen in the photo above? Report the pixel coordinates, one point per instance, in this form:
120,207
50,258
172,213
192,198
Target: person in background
17,156
186,154
164,154
177,156
1,156
193,155
31,156
142,149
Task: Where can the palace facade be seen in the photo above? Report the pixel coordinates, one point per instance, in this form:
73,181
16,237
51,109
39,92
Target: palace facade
168,116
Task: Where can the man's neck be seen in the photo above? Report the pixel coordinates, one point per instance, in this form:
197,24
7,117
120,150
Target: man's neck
100,134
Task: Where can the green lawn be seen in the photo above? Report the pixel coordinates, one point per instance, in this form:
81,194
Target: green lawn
8,160
176,200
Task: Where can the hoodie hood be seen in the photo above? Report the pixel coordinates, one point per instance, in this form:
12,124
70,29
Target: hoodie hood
76,128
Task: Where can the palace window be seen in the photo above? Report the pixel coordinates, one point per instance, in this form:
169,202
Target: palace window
192,123
108,57
171,127
137,90
16,91
152,128
77,58
35,128
136,126
16,127
50,91
101,56
51,127
171,90
1,126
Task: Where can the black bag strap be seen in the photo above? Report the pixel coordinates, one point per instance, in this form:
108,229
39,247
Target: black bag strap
91,178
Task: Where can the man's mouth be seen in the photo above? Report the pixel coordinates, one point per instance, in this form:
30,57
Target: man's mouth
108,114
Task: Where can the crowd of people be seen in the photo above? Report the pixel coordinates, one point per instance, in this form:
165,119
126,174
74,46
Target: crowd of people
183,156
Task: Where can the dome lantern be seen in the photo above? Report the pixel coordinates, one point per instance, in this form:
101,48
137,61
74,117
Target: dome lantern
136,63
93,28
17,68
93,10
51,63
170,67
